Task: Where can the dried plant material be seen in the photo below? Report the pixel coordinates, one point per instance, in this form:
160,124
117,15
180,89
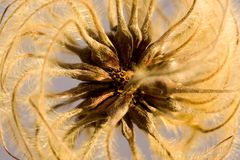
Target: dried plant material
168,68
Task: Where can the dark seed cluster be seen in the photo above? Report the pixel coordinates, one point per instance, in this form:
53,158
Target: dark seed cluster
120,78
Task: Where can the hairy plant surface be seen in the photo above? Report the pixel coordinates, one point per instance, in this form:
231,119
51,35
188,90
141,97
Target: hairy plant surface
169,68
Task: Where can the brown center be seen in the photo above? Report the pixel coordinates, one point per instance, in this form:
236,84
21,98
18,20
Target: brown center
120,78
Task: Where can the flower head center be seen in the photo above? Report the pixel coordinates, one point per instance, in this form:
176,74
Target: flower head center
120,77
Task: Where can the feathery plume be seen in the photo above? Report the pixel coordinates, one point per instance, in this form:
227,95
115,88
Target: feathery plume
169,68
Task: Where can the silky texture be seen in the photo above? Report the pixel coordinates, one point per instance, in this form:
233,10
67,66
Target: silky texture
169,68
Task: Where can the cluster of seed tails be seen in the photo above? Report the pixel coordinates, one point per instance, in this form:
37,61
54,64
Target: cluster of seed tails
77,75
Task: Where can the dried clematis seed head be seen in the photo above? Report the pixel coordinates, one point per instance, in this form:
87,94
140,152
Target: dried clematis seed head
169,68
